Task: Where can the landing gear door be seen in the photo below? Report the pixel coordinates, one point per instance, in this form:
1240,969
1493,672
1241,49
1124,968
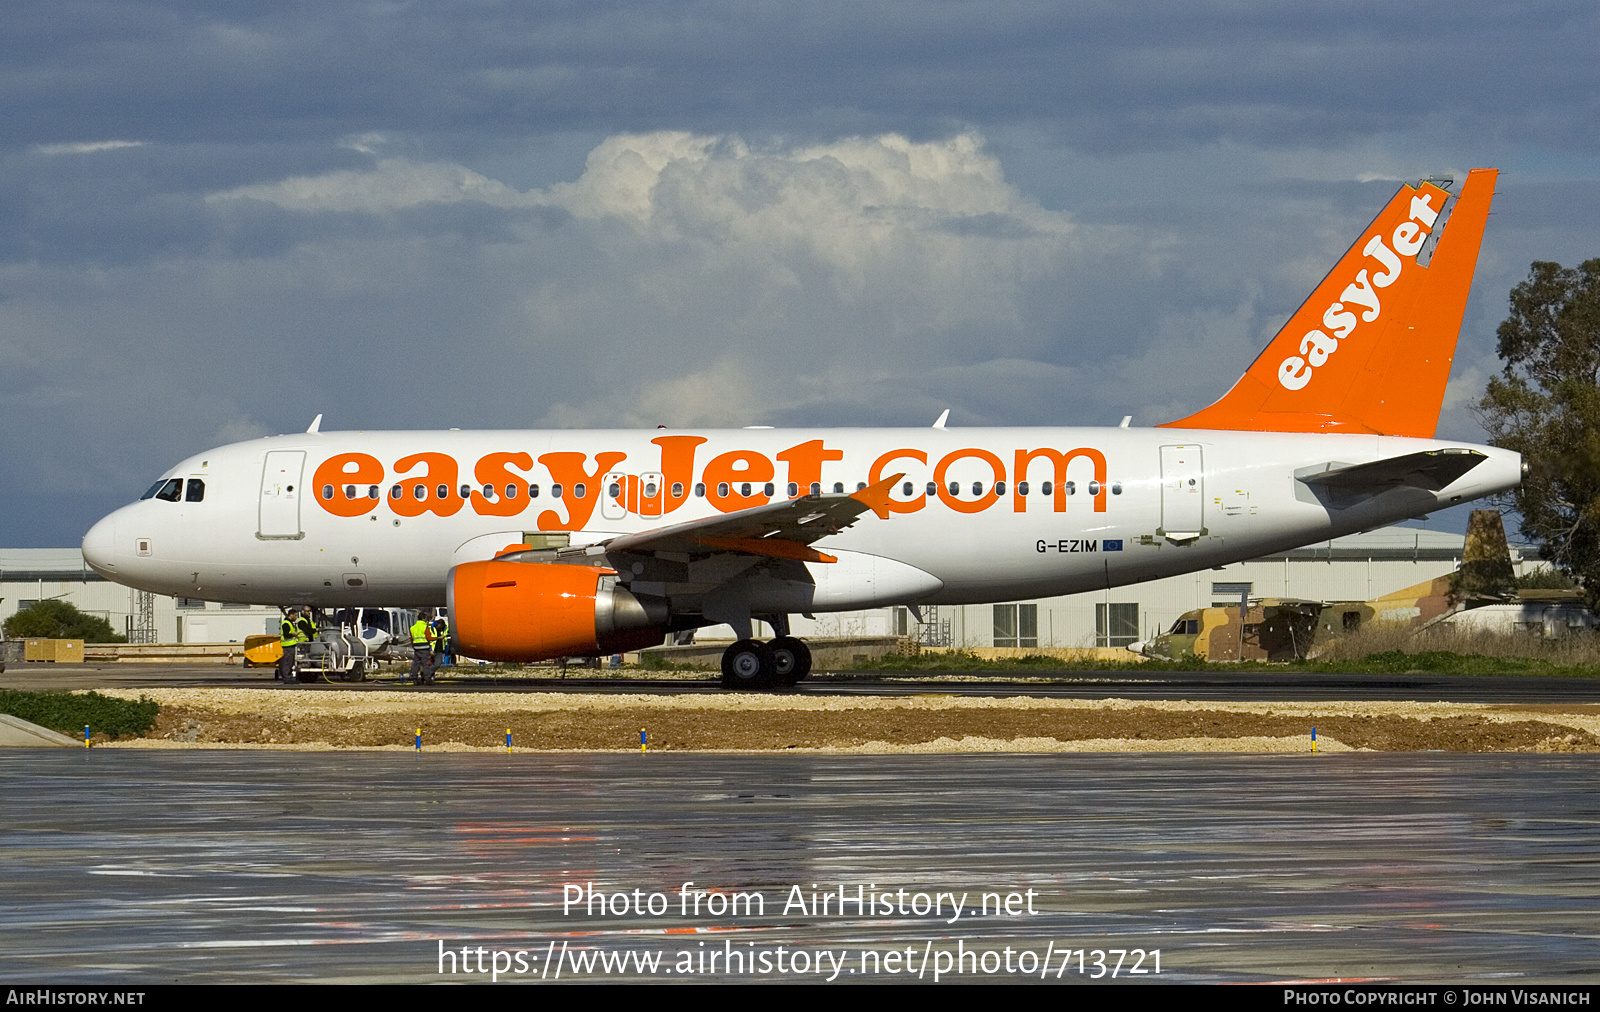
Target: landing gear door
281,493
1182,492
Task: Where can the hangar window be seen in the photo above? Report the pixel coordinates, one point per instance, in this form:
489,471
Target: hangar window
700,489
555,490
188,602
579,490
197,491
327,491
1115,625
1016,625
170,490
443,491
1022,488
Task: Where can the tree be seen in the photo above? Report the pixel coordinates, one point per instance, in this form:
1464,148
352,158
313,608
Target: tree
1546,406
59,620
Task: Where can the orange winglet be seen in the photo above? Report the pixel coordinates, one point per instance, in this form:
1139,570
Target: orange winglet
1370,350
770,547
876,497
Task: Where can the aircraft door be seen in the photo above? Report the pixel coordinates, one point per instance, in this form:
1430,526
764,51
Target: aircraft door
1182,492
614,496
281,494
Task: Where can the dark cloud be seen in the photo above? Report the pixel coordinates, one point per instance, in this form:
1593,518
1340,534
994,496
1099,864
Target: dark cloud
1115,207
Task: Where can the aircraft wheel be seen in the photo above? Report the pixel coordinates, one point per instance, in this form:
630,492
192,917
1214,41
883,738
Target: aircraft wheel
792,660
748,664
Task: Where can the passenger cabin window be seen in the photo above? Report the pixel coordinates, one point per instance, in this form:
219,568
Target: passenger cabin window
838,487
396,492
1022,488
794,490
555,490
533,491
700,489
327,491
443,491
677,490
171,490
579,490
1116,488
196,492
767,488
816,488
1046,487
511,490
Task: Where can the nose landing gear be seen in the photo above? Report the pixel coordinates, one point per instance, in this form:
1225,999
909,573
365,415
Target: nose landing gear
753,665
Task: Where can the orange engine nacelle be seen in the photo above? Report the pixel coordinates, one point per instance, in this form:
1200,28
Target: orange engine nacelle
529,611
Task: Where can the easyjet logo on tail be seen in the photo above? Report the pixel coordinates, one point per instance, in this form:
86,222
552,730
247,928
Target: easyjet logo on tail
1361,295
567,493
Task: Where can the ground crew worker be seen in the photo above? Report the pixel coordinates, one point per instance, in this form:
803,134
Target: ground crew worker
421,650
441,642
289,636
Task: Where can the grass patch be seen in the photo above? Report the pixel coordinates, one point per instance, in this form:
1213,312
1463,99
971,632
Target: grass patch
68,712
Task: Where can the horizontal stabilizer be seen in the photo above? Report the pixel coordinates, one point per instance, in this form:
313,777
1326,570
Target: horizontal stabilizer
1430,469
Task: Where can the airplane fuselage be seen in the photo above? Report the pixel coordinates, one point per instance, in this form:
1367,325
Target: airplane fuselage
350,518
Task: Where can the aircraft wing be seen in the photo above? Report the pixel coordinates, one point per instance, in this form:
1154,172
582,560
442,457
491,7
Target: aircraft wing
782,530
1430,469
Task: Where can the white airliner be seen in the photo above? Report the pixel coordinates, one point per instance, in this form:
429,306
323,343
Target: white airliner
566,543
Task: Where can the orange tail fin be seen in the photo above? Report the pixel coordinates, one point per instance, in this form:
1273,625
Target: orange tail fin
1370,350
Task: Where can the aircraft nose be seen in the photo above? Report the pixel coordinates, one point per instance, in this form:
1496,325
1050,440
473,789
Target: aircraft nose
99,546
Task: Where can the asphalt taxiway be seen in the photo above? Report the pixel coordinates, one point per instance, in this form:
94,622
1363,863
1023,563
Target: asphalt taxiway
1286,686
230,866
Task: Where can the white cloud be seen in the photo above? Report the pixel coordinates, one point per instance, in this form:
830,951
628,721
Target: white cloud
84,148
392,184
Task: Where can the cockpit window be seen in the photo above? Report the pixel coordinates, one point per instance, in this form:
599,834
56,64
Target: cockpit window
151,493
197,491
171,490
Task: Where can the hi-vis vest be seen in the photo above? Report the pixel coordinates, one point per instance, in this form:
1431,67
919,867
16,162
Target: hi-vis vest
441,635
419,635
288,632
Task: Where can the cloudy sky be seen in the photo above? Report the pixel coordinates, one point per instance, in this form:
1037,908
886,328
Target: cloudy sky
216,223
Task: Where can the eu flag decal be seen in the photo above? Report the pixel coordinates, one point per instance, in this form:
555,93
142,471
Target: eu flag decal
1111,546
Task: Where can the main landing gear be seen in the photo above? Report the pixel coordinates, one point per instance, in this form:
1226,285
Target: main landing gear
751,664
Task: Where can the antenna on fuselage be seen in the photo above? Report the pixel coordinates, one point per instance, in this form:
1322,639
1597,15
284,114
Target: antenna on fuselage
940,423
316,424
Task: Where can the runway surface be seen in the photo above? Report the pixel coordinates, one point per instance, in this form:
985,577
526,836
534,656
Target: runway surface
1192,685
223,866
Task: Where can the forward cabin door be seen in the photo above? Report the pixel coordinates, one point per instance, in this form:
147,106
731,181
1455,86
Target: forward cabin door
1182,492
281,493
